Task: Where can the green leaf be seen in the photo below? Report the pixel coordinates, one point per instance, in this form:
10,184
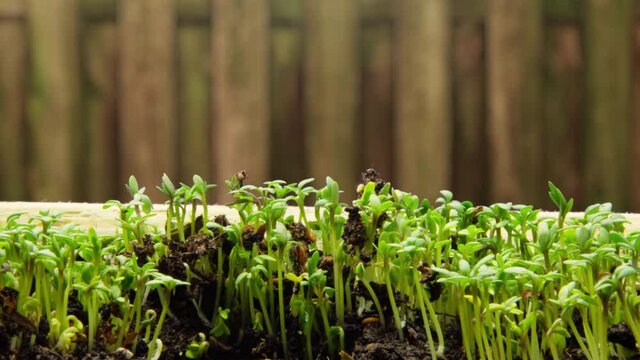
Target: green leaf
624,271
133,185
518,270
556,196
198,182
565,291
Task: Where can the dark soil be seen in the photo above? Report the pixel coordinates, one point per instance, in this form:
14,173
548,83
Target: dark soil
144,251
377,343
383,344
251,236
371,175
355,233
364,338
299,253
621,334
429,279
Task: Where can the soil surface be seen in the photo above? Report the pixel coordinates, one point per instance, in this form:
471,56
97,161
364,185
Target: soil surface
364,338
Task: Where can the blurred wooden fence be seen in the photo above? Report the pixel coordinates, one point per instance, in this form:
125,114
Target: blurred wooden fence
489,98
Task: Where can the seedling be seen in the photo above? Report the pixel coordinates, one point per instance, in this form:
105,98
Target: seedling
164,285
518,285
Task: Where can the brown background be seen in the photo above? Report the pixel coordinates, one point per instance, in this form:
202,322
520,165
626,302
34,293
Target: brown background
488,98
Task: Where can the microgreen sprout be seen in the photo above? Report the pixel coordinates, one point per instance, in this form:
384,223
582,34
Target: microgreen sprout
200,188
197,348
165,285
517,284
281,238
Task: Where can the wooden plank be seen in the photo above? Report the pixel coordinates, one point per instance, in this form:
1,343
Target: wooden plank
554,10
372,12
608,68
13,9
469,9
469,110
147,129
13,78
94,11
240,37
423,118
563,10
635,130
369,11
194,12
194,100
287,10
54,101
514,51
187,11
331,91
286,96
376,105
103,220
100,112
564,104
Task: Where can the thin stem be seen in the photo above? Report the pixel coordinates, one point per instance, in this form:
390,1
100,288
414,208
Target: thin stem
219,282
392,300
327,328
283,328
265,313
425,319
376,302
434,320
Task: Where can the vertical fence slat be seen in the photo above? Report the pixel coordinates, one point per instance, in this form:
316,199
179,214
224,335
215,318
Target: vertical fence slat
13,77
194,94
99,110
423,118
469,110
563,107
608,68
635,134
240,35
331,91
54,101
514,47
376,105
286,91
147,129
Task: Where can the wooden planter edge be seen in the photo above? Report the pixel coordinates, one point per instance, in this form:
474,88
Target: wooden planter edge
103,220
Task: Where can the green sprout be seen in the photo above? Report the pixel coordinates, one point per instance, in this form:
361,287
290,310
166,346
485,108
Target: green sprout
165,285
281,239
197,348
200,188
561,202
169,190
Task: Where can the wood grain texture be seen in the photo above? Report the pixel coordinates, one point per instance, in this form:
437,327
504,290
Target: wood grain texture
13,78
240,66
104,220
564,101
194,96
469,110
54,99
331,91
635,129
608,66
376,103
423,127
147,121
100,110
287,127
515,131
